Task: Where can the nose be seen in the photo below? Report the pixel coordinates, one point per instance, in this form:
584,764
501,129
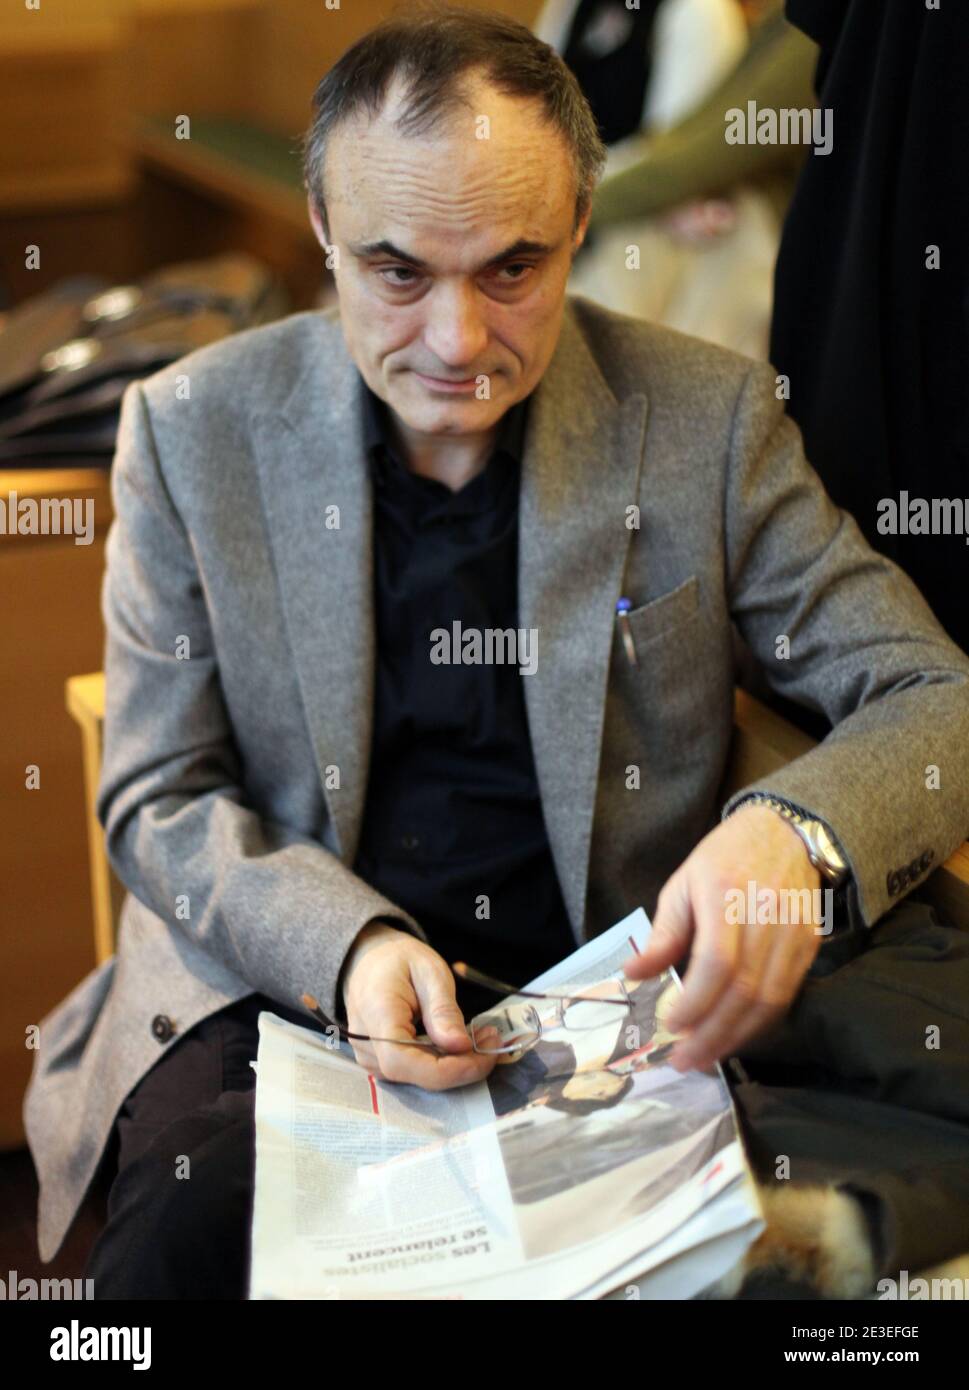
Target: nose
455,330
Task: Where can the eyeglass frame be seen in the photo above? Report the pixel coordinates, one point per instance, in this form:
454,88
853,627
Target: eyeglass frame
467,972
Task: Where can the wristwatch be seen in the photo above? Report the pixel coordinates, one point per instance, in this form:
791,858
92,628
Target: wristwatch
823,849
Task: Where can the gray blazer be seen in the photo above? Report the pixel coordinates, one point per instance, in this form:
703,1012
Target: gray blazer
218,793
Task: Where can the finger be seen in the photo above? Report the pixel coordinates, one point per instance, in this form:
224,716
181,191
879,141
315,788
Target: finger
712,1034
390,1016
700,1053
395,1065
672,930
438,1006
364,1055
713,962
418,1067
757,997
786,969
432,998
462,1065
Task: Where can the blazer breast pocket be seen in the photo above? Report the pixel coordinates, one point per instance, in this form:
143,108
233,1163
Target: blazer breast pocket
666,614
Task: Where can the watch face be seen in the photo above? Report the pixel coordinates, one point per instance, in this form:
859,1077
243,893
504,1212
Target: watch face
831,856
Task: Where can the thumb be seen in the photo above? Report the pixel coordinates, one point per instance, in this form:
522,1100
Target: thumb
443,1020
672,930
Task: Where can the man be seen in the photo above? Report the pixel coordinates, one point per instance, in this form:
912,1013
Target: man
299,798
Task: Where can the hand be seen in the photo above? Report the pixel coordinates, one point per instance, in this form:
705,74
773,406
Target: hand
390,978
701,221
742,974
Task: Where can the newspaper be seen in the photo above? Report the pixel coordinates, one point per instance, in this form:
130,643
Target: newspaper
583,1167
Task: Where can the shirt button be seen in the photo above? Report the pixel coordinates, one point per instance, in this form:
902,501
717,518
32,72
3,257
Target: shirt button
409,841
162,1028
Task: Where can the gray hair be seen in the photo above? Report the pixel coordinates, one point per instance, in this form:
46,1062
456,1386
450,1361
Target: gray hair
432,49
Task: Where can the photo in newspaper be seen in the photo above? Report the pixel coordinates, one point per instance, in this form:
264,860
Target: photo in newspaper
589,1098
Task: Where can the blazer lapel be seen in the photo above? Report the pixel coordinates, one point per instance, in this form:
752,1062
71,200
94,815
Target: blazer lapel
581,470
311,461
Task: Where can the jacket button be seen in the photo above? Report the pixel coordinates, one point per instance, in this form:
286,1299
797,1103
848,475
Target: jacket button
162,1028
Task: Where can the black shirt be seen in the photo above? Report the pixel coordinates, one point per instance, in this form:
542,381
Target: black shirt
453,828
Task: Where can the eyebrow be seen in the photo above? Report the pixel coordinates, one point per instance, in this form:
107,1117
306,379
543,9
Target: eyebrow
521,247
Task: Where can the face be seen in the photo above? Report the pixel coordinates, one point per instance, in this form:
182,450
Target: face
453,257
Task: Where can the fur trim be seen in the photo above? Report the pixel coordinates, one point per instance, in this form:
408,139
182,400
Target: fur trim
816,1235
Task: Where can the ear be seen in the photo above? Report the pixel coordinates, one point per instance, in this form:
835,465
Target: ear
320,229
578,237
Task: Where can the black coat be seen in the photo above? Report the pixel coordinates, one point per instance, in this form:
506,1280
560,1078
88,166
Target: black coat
875,344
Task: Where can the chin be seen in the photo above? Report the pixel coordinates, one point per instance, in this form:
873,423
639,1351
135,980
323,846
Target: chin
460,415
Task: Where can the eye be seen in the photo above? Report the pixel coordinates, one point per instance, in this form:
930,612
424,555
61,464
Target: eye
522,266
404,277
404,270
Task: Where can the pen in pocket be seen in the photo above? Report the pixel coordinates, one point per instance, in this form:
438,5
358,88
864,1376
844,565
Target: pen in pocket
623,606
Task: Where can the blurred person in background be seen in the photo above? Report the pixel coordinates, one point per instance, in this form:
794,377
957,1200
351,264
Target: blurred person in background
705,215
871,321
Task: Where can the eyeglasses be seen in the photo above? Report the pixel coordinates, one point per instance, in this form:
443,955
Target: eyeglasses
519,1025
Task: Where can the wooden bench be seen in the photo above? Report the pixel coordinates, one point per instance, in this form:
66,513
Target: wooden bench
234,161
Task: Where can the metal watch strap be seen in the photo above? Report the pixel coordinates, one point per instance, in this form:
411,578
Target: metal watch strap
828,860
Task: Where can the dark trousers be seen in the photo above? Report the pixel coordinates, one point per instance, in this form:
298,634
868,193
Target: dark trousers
866,1083
180,1203
850,1088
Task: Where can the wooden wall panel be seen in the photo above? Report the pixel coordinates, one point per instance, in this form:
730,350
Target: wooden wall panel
50,628
61,115
300,39
195,64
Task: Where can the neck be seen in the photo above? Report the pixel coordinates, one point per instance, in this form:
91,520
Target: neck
453,461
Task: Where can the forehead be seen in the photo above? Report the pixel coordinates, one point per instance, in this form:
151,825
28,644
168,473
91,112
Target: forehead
489,162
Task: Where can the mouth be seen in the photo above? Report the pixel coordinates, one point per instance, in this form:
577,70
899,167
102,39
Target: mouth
446,386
